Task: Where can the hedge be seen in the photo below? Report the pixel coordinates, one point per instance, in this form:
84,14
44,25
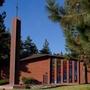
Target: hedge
2,82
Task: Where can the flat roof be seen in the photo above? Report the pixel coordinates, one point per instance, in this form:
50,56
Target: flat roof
39,56
34,56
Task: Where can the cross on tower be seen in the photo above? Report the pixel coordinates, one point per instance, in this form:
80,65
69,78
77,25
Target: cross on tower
17,7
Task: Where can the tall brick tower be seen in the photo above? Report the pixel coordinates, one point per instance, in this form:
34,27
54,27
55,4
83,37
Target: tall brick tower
15,51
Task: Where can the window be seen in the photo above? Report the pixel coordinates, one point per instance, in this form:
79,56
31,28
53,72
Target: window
75,71
45,78
70,71
58,71
65,71
52,71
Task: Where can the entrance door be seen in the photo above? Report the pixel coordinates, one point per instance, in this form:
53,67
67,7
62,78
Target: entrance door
45,78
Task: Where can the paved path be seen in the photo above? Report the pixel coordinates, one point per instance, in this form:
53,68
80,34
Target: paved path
5,87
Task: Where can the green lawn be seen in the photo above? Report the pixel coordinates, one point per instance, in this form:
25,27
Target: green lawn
78,87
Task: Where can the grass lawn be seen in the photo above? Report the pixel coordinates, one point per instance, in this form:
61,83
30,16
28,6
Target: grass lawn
78,87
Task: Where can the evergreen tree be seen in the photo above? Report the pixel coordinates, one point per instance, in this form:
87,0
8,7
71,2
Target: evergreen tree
28,48
4,41
1,2
75,20
45,49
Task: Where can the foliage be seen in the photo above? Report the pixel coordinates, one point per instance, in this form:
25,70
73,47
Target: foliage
76,24
2,82
28,80
28,47
45,49
4,39
52,7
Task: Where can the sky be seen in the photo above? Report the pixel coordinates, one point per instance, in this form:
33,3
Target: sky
35,23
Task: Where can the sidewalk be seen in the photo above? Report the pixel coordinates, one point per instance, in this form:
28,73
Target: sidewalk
6,87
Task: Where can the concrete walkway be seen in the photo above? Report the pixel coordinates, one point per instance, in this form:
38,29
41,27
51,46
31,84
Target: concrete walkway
5,87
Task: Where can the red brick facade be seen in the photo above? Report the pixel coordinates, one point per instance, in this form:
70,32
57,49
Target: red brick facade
36,68
41,67
46,69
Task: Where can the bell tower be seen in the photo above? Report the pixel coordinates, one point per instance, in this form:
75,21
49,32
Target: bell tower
15,49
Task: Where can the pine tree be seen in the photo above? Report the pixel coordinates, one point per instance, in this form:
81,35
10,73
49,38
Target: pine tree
28,48
4,41
45,49
75,20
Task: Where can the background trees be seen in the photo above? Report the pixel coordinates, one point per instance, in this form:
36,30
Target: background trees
45,49
4,41
28,47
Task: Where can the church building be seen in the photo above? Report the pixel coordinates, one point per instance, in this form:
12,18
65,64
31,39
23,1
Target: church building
52,69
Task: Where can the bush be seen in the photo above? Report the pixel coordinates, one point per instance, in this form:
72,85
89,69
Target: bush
2,82
28,80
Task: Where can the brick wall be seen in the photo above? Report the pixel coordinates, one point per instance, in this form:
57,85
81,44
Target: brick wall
36,68
39,67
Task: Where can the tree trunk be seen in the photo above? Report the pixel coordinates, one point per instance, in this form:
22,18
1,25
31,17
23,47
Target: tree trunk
86,74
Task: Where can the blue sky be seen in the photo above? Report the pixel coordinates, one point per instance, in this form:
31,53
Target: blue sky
35,23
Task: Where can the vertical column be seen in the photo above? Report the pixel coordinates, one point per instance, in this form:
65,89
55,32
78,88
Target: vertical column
55,71
67,71
72,71
49,72
14,54
82,73
61,71
77,71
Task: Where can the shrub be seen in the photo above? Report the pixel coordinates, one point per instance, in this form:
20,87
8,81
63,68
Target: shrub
29,80
2,82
